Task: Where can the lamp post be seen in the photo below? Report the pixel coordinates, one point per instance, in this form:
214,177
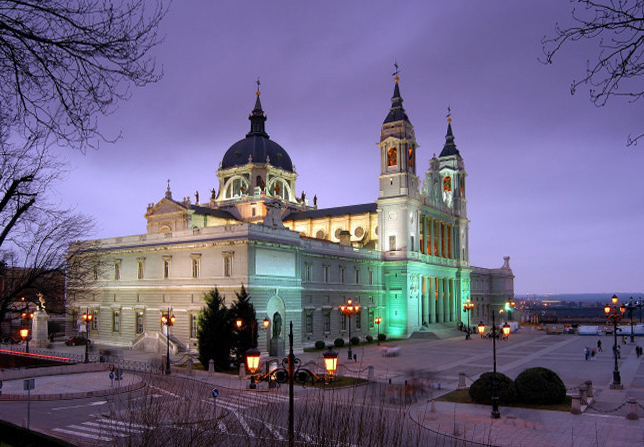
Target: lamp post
87,317
378,320
614,313
468,305
630,307
168,320
350,309
24,333
506,331
252,363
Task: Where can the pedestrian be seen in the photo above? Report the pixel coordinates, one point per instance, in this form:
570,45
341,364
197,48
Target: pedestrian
599,345
587,352
623,340
593,353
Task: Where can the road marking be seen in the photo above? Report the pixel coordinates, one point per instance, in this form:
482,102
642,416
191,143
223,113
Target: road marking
164,391
125,424
274,431
91,404
222,427
243,423
84,435
113,430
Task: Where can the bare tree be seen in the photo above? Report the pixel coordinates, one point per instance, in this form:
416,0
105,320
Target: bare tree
617,26
65,62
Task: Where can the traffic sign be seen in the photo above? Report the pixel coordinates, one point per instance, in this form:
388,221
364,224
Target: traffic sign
29,384
215,393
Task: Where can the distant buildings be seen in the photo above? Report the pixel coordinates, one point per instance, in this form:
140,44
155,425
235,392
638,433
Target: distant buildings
403,257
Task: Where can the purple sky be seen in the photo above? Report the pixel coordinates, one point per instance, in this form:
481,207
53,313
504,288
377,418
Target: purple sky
550,181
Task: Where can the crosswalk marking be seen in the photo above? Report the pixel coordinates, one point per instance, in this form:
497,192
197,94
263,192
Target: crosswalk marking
81,434
163,391
274,431
113,430
244,424
222,427
126,424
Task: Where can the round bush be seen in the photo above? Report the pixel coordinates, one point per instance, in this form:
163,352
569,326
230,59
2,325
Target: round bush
319,344
355,341
540,386
382,337
481,390
369,339
339,342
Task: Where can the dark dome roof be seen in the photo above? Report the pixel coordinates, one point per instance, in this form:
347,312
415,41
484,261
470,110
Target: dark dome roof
258,147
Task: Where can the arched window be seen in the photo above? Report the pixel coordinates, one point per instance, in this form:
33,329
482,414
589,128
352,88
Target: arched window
279,188
236,187
411,157
392,157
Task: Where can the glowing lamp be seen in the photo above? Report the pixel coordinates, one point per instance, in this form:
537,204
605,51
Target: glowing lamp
607,309
614,299
23,315
164,319
252,360
378,320
622,308
481,328
172,320
24,333
331,362
31,315
266,323
506,329
239,323
357,308
90,317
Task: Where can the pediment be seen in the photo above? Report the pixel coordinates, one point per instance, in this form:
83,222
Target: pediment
165,206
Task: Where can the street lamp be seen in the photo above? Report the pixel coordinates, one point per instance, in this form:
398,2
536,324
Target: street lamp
24,333
630,307
87,317
252,363
266,323
350,309
468,305
239,323
495,392
614,313
168,320
330,362
378,320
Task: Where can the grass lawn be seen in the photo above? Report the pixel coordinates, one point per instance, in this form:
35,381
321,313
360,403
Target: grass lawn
463,397
340,382
346,345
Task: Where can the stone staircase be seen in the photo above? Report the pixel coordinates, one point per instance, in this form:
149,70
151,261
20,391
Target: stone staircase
437,331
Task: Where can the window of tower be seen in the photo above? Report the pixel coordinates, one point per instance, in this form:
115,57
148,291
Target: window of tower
411,157
279,188
392,157
236,188
447,184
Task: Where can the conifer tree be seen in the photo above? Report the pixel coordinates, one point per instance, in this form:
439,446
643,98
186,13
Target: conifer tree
245,337
215,332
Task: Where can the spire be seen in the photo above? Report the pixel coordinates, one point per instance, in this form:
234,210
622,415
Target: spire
450,147
257,117
397,112
168,193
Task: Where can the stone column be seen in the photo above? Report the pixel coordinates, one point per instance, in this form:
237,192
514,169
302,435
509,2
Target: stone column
432,299
39,324
441,304
450,296
426,300
431,236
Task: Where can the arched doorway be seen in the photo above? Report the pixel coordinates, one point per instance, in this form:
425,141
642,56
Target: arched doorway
276,311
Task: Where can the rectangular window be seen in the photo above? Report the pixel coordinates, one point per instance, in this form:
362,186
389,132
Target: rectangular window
166,269
194,328
309,322
307,272
357,276
139,322
392,243
195,268
371,318
95,273
228,265
116,321
370,277
327,322
412,243
139,272
117,271
94,324
358,320
341,275
343,322
326,273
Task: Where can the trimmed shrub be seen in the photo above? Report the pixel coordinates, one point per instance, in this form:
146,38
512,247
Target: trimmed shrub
369,339
481,390
355,341
382,337
339,342
540,386
319,344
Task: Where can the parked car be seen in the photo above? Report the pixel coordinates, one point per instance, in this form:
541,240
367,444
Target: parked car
76,340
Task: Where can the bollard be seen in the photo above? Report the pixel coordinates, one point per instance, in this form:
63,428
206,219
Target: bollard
211,367
242,370
189,367
575,407
589,389
370,373
631,413
461,381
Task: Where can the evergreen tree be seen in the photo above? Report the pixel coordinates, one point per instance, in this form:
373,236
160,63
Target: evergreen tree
245,337
215,332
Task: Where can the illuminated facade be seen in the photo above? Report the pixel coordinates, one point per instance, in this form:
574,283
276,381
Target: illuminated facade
403,258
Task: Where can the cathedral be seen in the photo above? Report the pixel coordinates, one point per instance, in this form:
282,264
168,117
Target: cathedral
403,258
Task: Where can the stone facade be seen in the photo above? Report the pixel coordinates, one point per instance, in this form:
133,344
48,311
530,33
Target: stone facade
404,258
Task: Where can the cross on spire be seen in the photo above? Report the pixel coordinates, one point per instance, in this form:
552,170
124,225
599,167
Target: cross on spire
258,84
449,114
396,71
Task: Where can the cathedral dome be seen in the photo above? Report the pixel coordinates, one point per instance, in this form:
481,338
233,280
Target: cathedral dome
257,147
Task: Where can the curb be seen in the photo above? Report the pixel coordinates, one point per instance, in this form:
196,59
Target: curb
99,393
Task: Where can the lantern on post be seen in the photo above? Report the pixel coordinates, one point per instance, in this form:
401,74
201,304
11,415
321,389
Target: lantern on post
330,363
252,363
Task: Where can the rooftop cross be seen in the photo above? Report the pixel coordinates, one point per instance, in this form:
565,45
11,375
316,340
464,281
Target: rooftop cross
396,72
258,84
449,114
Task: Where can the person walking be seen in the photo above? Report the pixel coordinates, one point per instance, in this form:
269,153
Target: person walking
599,345
587,352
